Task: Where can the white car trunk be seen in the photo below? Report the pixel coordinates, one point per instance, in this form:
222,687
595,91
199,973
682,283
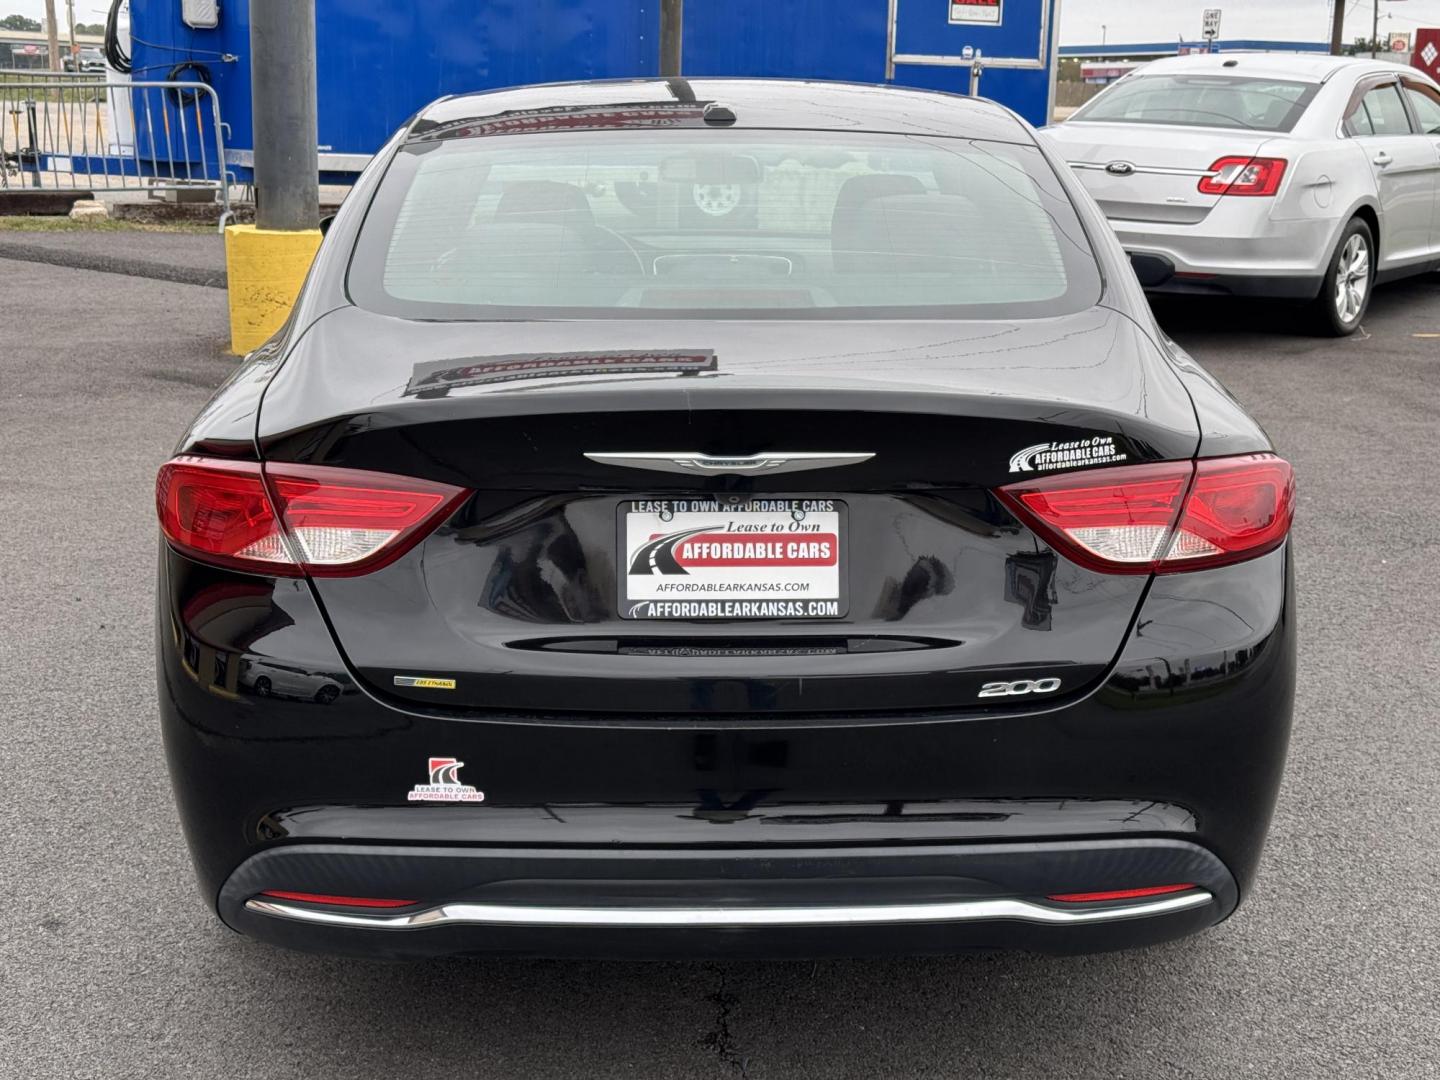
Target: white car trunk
1166,166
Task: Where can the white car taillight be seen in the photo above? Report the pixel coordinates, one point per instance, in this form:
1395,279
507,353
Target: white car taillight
1244,176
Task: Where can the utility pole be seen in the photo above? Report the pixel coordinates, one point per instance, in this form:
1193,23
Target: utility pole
1375,31
282,99
74,50
1337,27
672,22
52,35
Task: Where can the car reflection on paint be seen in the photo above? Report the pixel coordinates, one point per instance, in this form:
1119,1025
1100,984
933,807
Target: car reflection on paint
270,679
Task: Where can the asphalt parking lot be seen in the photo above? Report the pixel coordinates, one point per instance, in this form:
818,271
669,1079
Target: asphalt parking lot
113,968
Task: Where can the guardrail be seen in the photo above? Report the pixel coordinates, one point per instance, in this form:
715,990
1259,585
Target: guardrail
74,133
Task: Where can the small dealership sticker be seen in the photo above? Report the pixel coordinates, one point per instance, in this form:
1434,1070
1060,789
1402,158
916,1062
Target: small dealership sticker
445,785
1075,454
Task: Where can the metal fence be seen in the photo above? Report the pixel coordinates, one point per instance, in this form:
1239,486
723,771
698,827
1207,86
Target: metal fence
87,134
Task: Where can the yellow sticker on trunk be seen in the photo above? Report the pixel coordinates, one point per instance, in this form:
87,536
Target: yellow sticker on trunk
425,682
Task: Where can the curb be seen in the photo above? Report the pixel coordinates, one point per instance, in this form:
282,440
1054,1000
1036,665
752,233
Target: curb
111,264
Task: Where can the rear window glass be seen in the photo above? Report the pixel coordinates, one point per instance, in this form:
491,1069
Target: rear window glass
1202,101
712,224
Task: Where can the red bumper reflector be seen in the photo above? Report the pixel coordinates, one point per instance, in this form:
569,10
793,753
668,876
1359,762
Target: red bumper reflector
1118,894
335,901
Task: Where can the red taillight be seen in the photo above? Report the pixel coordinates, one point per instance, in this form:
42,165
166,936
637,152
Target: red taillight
1164,517
1118,894
336,901
1244,176
336,522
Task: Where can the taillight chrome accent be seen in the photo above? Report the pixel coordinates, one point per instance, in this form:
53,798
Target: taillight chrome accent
335,901
1163,517
1119,894
288,520
1243,175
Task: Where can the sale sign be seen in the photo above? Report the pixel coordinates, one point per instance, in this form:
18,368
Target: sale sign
986,12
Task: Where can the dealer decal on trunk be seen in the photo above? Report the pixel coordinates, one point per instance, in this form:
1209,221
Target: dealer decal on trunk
1075,454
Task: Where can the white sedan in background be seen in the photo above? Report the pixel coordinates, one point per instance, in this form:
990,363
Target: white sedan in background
1301,177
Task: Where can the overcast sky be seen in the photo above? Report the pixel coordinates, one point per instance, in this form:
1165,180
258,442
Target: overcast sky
1284,20
1125,20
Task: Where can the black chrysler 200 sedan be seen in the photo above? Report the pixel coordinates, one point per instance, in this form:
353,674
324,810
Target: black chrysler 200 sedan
723,517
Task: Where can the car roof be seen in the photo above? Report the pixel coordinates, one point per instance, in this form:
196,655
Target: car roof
756,103
1306,67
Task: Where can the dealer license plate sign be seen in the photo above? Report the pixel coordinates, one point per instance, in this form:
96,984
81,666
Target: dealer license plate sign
704,558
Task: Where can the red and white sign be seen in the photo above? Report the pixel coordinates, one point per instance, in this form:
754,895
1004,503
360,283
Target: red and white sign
1426,52
705,558
445,784
985,12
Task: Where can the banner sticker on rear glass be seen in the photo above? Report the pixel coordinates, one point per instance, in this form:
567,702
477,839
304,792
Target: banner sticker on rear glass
436,378
1075,454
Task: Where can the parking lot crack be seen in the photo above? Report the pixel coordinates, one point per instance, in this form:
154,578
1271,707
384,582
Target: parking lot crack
720,1039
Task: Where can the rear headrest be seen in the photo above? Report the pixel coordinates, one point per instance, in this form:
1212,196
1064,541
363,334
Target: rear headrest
859,189
912,234
853,195
547,202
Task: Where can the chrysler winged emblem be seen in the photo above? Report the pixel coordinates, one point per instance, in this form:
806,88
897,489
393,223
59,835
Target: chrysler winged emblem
691,463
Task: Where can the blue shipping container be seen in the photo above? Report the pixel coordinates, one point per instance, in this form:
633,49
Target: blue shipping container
380,60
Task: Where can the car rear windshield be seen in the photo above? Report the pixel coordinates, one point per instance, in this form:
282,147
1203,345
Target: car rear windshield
1202,101
714,224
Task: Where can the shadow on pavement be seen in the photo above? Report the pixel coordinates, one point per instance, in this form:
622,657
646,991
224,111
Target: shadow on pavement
1191,317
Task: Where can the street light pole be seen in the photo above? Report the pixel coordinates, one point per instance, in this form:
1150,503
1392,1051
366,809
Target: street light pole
1375,26
266,263
282,96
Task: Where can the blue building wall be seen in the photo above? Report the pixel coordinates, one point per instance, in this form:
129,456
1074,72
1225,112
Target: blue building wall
380,60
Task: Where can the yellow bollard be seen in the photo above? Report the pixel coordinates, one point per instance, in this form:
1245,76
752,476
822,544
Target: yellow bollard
265,269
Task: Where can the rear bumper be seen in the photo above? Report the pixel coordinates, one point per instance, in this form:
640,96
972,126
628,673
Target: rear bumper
1165,774
1285,259
1158,274
729,901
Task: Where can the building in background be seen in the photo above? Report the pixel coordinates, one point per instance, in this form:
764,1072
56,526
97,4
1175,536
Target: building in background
27,50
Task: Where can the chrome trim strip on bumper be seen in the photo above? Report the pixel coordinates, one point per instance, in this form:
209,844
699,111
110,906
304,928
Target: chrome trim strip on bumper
466,914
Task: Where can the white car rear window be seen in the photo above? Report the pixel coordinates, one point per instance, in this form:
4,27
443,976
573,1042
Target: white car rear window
1254,104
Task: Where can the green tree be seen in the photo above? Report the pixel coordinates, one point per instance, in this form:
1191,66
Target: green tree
98,29
18,22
